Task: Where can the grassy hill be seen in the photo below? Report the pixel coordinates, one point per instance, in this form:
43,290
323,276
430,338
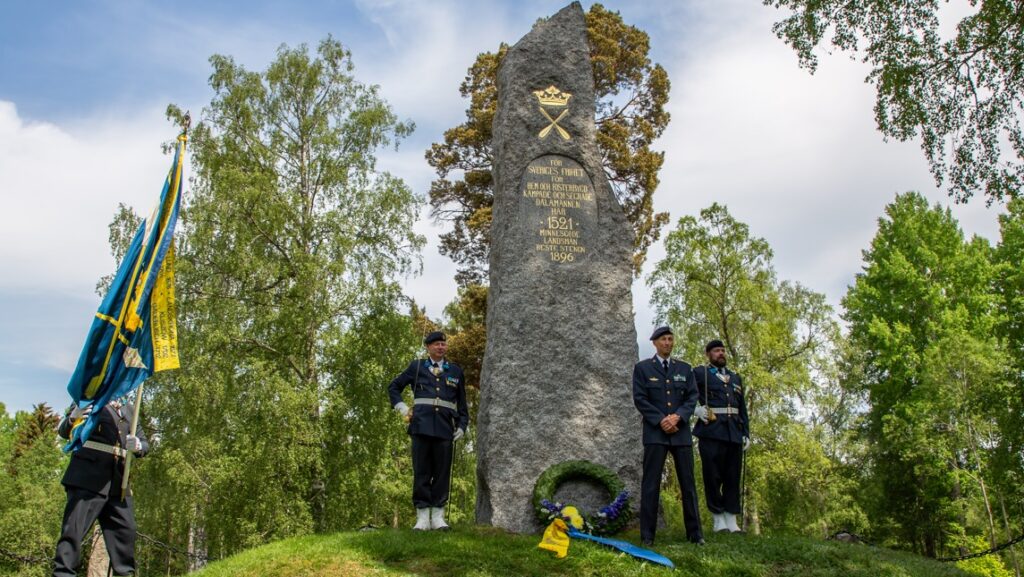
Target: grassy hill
485,552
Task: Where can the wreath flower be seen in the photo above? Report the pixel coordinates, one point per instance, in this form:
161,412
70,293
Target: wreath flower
608,520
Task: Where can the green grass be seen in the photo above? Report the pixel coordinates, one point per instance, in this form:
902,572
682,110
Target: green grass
485,552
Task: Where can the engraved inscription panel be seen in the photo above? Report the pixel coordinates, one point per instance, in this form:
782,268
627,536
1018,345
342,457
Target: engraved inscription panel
561,207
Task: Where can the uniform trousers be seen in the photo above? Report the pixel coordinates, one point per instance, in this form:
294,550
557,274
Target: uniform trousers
721,462
116,519
431,471
650,489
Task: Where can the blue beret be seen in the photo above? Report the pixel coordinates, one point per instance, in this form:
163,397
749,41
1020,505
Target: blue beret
658,332
434,337
714,345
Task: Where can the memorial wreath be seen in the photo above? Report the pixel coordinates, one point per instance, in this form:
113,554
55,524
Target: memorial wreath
608,520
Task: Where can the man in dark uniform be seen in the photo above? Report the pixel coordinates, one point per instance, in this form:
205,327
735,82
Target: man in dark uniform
724,433
665,395
93,485
438,418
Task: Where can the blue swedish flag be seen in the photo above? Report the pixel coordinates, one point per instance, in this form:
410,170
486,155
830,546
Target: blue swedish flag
134,333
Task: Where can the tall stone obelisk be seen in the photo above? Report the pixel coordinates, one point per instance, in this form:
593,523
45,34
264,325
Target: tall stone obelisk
556,383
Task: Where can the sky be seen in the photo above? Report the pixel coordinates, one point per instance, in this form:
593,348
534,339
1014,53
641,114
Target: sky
84,86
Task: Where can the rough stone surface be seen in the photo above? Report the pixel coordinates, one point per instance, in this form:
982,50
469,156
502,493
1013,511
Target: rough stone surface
556,382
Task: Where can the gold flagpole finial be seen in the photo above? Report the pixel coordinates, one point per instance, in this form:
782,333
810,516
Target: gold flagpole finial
186,123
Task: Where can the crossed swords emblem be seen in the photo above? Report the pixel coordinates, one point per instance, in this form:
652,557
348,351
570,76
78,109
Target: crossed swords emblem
554,98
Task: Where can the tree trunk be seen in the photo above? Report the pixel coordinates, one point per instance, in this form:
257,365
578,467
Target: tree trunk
99,560
196,547
981,483
1009,535
752,523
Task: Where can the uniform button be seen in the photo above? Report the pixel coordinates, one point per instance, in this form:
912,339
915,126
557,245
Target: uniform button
438,389
669,392
670,404
436,409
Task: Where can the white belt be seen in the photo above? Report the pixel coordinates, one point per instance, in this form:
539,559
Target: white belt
116,451
724,410
435,403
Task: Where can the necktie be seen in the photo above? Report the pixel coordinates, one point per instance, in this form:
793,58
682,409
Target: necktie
664,364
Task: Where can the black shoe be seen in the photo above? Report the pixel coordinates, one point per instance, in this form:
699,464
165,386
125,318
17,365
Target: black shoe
698,542
646,542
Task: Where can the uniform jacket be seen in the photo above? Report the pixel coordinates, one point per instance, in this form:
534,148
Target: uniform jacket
731,428
657,394
450,385
98,471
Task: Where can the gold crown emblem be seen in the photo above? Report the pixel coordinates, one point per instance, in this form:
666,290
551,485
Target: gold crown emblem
552,96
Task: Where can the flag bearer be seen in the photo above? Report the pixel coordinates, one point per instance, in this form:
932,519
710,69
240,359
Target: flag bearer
93,485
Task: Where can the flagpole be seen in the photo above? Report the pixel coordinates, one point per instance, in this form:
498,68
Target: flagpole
131,454
134,427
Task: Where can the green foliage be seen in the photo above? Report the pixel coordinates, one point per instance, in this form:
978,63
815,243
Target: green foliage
484,552
718,281
369,470
289,247
31,496
39,424
631,94
987,566
1009,286
961,94
467,331
934,376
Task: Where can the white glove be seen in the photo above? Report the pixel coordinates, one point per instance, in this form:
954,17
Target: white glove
80,412
133,443
746,443
701,412
402,408
459,433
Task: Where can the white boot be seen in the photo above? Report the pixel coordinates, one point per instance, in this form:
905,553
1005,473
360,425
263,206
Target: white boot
730,523
720,524
422,520
437,519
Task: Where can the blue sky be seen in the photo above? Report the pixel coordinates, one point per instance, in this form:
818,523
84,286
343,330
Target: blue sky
83,86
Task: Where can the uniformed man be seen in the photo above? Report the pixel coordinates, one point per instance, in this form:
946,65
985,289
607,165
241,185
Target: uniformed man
665,395
93,485
724,433
438,418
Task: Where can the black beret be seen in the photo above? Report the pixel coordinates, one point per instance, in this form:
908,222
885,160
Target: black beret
714,345
660,331
434,337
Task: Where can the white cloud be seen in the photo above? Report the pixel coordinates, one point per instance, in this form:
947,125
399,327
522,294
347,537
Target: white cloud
795,156
59,186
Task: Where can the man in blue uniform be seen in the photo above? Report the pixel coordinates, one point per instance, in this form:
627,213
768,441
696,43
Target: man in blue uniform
724,433
665,395
438,418
93,484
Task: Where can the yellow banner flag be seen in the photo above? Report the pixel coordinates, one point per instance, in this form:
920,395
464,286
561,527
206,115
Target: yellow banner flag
163,316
